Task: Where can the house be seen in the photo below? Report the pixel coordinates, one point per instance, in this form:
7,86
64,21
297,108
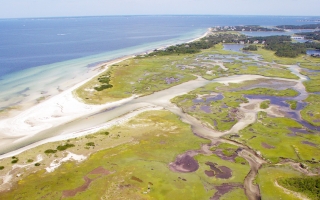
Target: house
297,37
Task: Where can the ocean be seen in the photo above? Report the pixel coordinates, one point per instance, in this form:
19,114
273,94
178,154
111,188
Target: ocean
44,56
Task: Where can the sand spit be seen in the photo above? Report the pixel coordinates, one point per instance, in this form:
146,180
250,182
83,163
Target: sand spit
117,121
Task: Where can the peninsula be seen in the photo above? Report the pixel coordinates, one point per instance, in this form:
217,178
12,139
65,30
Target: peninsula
207,119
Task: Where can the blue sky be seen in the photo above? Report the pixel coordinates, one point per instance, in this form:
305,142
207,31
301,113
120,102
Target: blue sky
53,8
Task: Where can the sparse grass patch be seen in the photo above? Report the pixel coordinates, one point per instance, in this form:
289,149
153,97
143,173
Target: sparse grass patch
136,76
241,68
271,92
293,104
270,136
237,193
312,85
313,65
265,104
270,56
311,113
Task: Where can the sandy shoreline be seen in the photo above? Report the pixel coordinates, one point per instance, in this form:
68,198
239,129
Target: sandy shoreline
57,110
81,133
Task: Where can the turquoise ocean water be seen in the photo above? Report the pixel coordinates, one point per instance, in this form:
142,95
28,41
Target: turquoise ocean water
40,57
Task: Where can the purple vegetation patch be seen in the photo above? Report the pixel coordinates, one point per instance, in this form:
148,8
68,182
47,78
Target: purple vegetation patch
221,172
221,155
214,98
298,130
184,163
224,189
266,146
206,109
171,80
309,143
197,100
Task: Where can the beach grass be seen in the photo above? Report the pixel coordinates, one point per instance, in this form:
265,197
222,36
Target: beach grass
145,75
136,76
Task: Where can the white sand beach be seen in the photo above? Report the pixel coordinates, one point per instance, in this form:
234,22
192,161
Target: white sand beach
57,110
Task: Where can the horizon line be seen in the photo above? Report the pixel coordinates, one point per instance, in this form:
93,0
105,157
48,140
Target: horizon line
137,15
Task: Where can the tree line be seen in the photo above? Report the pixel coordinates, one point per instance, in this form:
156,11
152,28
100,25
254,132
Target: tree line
283,46
305,26
311,35
197,46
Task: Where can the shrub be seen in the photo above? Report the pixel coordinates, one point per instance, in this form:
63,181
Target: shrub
14,161
37,164
250,48
90,144
48,151
1,167
105,133
105,80
64,147
265,104
29,160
